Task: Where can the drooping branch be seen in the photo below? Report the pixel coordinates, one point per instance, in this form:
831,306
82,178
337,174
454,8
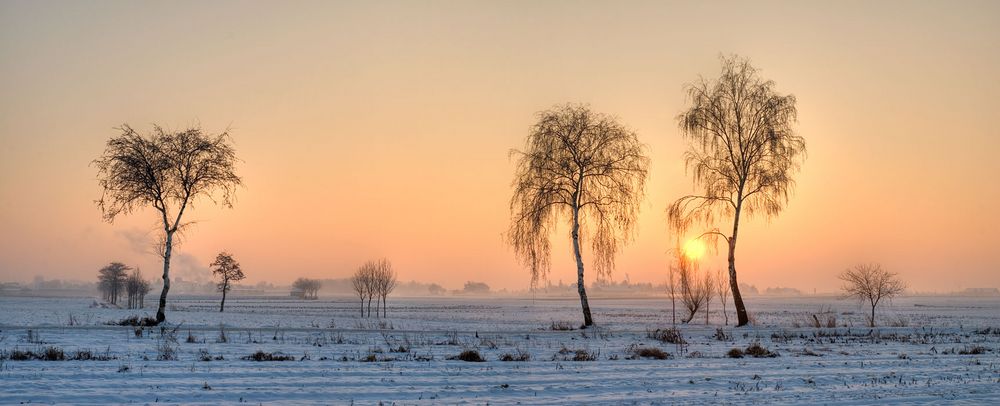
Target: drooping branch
576,160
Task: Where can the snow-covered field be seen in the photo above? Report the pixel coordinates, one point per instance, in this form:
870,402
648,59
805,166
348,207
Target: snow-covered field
942,350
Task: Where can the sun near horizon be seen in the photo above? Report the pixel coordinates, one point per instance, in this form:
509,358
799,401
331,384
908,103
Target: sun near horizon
368,131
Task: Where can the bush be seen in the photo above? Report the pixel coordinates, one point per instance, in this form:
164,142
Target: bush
669,335
647,352
468,356
974,350
18,355
52,354
135,321
203,355
735,353
518,356
757,351
721,335
561,326
584,355
268,356
87,355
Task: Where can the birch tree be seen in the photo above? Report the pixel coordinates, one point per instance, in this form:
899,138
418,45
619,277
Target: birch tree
742,154
587,169
169,172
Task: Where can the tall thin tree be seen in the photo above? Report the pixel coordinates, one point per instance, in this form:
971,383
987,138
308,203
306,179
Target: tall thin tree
742,154
168,171
580,166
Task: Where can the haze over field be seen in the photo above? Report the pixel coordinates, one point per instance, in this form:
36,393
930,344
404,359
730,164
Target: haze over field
382,129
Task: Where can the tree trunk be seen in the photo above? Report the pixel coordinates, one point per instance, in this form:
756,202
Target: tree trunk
707,307
385,311
369,306
673,310
872,322
222,305
362,307
581,287
741,311
168,247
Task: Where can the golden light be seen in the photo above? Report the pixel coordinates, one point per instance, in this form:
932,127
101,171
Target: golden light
694,249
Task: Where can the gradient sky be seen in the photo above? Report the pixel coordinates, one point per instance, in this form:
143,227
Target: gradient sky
372,129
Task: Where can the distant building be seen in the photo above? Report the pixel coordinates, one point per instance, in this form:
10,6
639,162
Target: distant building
297,293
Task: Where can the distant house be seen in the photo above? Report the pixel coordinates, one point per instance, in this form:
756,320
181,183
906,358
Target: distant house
298,293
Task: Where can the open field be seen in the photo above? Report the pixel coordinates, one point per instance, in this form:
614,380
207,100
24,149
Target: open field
942,349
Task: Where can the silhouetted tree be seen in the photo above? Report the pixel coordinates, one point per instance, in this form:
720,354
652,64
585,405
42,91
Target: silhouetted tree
742,154
580,166
361,284
308,287
386,282
229,272
136,287
111,280
167,171
694,291
869,282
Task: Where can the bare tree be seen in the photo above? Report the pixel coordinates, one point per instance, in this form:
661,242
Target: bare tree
584,167
723,291
742,153
308,287
229,272
111,280
360,284
168,171
136,287
386,282
672,291
693,290
869,282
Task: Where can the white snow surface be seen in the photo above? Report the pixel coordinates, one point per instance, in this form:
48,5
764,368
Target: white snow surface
341,358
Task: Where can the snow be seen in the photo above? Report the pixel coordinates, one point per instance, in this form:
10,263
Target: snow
920,363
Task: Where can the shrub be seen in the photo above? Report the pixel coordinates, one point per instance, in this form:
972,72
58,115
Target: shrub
757,351
468,356
647,352
974,350
203,355
721,335
268,356
561,326
584,355
18,355
735,353
135,321
517,356
669,335
52,354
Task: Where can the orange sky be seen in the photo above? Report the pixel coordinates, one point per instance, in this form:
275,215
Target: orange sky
372,129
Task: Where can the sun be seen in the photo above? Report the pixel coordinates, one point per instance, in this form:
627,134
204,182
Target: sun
694,249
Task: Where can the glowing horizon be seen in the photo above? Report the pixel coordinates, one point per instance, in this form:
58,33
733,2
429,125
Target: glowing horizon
370,130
